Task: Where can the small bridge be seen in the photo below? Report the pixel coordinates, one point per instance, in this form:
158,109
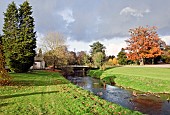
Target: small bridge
79,68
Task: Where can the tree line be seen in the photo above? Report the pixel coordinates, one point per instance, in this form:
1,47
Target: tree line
56,53
143,47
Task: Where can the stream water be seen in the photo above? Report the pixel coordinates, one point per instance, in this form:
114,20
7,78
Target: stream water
145,103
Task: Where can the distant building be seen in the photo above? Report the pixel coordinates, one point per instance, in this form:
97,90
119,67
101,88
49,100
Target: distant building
39,62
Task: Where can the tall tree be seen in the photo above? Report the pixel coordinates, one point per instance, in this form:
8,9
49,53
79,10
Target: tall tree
87,60
57,58
122,58
4,77
144,43
27,39
98,59
56,50
10,33
97,47
81,57
72,58
19,37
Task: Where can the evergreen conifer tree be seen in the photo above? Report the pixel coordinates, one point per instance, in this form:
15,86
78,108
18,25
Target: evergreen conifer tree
20,56
10,30
27,38
122,58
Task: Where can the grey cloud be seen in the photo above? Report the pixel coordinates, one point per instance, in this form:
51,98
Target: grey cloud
98,19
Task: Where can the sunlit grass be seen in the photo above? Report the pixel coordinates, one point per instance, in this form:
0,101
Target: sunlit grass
145,79
49,93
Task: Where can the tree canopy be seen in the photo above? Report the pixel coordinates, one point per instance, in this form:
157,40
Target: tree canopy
144,43
97,47
56,53
122,58
81,58
98,59
98,53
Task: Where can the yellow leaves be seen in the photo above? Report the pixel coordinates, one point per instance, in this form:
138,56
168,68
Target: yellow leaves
110,60
113,61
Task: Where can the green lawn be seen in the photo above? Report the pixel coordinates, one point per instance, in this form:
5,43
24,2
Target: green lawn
147,79
45,93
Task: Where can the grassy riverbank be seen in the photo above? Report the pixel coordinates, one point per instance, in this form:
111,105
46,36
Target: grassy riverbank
146,79
49,93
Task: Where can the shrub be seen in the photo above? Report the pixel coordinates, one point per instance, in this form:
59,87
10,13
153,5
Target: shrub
109,80
95,73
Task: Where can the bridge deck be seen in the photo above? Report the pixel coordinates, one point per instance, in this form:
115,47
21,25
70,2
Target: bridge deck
78,66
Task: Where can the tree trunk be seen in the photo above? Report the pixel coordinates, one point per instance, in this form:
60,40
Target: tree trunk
54,63
54,66
153,61
136,62
142,61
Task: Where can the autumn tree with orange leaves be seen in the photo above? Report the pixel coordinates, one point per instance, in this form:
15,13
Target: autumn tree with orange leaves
143,44
4,77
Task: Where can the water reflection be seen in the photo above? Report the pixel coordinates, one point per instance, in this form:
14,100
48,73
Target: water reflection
148,104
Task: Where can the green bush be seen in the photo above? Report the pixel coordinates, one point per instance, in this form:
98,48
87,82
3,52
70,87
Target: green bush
109,80
21,65
95,73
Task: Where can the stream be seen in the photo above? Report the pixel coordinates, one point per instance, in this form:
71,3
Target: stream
145,103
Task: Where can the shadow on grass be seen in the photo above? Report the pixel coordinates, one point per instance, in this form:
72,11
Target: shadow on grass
112,67
35,73
37,82
5,104
25,94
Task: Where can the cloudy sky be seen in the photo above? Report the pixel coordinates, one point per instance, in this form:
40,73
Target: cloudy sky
86,21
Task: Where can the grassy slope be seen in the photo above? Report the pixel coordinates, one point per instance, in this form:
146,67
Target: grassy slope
49,93
142,78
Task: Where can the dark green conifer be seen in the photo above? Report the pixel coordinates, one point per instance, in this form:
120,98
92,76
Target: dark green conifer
21,37
10,34
27,38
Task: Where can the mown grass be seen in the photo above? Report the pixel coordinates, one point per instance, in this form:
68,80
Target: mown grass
146,79
43,92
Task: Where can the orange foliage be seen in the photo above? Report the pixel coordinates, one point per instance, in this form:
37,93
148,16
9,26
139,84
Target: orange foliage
4,77
110,60
113,61
144,43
